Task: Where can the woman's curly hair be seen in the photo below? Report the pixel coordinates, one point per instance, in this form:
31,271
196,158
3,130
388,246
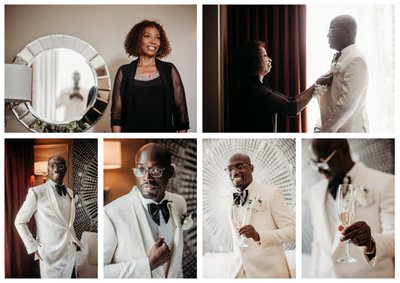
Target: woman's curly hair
132,39
248,58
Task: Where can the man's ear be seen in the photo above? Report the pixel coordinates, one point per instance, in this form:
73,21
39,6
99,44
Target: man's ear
171,171
252,168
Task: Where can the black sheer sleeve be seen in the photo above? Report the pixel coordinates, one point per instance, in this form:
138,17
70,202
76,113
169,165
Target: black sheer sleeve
181,116
274,101
116,107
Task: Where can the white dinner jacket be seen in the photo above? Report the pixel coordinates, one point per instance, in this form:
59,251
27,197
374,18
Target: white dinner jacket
55,234
128,238
379,215
343,106
275,225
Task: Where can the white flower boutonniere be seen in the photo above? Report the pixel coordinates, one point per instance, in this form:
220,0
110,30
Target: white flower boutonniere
255,205
76,200
319,90
363,196
335,67
187,221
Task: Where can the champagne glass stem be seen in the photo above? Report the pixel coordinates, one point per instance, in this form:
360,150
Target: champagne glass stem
347,249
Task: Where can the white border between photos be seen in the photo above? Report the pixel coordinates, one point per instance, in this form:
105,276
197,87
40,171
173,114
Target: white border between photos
199,136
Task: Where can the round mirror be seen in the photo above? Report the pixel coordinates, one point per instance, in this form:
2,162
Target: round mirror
62,80
70,85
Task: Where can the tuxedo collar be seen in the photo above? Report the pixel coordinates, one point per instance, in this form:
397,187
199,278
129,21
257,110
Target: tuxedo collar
354,170
53,184
347,50
249,188
146,201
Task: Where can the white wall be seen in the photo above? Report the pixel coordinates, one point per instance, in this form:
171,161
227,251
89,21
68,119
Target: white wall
105,27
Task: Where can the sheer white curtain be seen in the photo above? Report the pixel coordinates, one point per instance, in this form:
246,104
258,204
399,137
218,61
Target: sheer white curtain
375,38
44,86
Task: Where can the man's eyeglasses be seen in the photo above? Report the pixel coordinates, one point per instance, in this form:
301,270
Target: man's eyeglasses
155,172
237,166
60,166
323,163
333,29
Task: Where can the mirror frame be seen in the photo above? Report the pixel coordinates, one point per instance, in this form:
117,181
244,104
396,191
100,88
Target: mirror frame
27,115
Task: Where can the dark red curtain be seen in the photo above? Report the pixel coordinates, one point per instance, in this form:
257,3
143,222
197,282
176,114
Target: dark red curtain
283,28
18,172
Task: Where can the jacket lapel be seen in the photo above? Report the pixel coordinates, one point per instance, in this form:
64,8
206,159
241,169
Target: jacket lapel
144,226
54,204
176,250
323,217
253,193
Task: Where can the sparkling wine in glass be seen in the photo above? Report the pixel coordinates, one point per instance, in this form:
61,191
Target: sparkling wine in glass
345,206
238,218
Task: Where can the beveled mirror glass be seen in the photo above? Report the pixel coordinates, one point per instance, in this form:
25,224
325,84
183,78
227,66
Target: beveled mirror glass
70,85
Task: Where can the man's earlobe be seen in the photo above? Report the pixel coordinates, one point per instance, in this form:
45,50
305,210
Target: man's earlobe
171,171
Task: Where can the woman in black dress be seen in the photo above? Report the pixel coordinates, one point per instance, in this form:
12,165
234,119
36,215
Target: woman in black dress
148,94
257,103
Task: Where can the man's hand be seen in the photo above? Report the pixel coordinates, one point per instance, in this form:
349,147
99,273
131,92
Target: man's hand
249,232
159,254
359,234
325,79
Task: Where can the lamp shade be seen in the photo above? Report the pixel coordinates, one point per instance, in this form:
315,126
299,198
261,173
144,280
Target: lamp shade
112,154
18,83
40,167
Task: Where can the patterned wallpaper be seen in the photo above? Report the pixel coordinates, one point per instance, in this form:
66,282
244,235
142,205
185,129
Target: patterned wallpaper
84,178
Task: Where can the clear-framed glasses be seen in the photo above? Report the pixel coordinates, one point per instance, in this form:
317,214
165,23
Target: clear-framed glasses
323,163
60,166
333,29
155,172
237,166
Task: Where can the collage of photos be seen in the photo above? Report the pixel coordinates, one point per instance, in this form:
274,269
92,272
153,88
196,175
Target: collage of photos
199,141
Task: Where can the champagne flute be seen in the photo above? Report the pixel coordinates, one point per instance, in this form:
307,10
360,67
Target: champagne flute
237,214
345,206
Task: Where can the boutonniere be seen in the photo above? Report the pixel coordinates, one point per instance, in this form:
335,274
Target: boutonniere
363,196
319,90
187,221
255,205
335,66
76,200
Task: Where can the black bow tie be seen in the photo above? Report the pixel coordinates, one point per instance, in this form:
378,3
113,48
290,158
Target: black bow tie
61,190
336,56
239,198
154,210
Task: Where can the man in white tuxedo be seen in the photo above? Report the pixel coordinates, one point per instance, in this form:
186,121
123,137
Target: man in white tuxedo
143,230
343,106
52,204
372,232
266,224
